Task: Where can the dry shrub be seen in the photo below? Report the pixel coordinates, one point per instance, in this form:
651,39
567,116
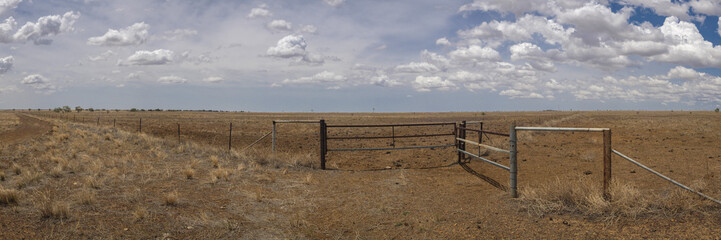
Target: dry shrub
626,200
171,198
57,210
9,196
2,176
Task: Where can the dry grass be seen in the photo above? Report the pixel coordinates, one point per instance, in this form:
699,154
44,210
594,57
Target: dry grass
86,196
9,196
581,196
140,213
220,174
171,198
29,177
2,176
57,210
189,173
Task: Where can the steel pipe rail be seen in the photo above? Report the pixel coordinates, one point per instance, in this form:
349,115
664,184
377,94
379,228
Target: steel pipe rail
664,177
296,121
385,149
402,136
484,145
562,129
485,160
394,125
486,132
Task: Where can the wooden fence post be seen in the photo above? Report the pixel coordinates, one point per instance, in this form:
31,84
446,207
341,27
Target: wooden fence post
480,138
513,167
607,164
113,122
273,139
323,143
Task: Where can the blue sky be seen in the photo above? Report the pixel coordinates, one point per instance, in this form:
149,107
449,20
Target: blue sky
349,55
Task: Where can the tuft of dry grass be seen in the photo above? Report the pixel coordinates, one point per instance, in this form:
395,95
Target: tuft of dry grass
93,182
29,177
17,169
9,196
86,196
2,176
220,174
57,171
189,173
215,161
140,213
171,198
57,210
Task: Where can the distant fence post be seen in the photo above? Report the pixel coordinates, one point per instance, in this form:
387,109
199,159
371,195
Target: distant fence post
512,162
98,122
323,143
178,132
140,125
113,122
230,136
273,139
607,163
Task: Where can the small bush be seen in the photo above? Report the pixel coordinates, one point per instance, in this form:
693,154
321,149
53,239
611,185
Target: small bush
189,173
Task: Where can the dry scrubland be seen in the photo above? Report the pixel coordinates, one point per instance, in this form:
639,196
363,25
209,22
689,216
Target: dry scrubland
84,180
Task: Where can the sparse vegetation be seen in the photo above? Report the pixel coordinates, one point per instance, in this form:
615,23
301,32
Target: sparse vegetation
57,210
171,198
9,196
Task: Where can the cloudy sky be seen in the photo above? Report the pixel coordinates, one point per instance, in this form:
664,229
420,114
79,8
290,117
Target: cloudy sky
353,55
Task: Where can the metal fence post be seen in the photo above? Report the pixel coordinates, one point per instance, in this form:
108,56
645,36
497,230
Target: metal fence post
230,136
323,143
513,167
607,164
480,138
273,139
113,122
178,132
98,122
140,125
461,144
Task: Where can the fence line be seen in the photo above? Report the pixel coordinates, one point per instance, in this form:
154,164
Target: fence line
256,141
664,177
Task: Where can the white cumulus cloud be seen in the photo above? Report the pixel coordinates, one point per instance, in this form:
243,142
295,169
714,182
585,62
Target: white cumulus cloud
259,12
38,32
334,3
280,25
135,34
417,67
157,57
426,84
39,83
293,47
7,5
213,79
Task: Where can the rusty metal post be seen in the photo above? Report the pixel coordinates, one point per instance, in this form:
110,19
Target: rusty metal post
512,163
607,164
178,132
230,136
273,139
323,143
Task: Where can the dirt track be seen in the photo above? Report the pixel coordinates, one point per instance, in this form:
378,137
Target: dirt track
29,127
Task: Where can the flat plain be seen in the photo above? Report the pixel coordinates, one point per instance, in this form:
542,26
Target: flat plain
120,174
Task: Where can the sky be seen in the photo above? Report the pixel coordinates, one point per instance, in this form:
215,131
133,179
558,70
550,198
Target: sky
361,56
